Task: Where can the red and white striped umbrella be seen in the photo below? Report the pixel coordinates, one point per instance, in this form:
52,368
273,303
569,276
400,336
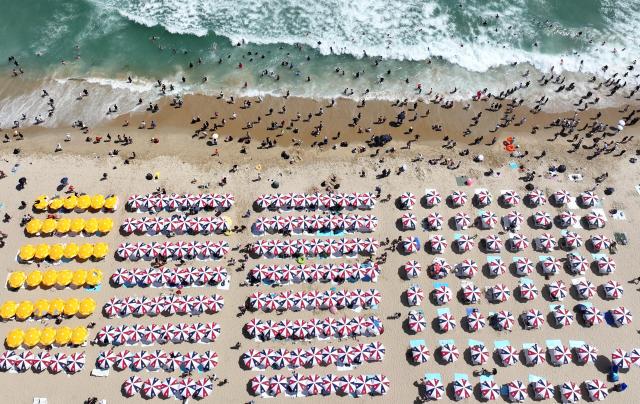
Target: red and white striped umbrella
134,202
600,242
186,387
331,384
483,198
497,267
595,220
561,197
24,360
542,389
567,219
577,264
504,320
417,323
562,316
467,268
597,389
259,384
546,242
449,352
514,219
132,385
592,315
264,201
613,289
560,355
533,319
376,351
139,360
570,392
348,385
465,243
542,219
434,221
415,295
489,390
125,250
534,355
442,294
479,354
411,244
606,265
420,353
519,242
130,225
462,389
438,243
409,221
510,198
476,321
572,240
551,265
151,387
458,198
462,220
528,291
516,391
493,243
488,219
589,199
313,384
446,322
470,293
413,269
536,197
620,358
75,362
434,389
587,353
508,355
432,197
585,288
58,362
407,200
42,360
122,359
634,356
621,316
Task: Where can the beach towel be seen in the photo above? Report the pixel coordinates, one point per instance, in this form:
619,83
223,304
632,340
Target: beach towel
443,310
486,378
473,342
501,343
432,376
534,378
575,344
460,376
492,258
446,341
416,342
552,343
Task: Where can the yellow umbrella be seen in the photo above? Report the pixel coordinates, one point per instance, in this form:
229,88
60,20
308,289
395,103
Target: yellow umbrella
91,225
94,277
105,225
77,224
27,252
111,202
32,337
84,201
64,277
33,226
56,252
41,203
50,277
16,279
87,307
79,336
8,309
56,204
56,306
70,202
41,308
71,250
15,338
24,310
63,335
48,336
100,250
85,251
48,226
97,202
34,279
71,307
79,277
42,251
64,225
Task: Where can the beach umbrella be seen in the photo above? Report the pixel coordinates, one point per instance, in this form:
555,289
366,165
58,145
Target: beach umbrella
449,352
519,242
577,264
592,315
40,361
497,267
331,384
621,316
489,390
132,385
417,323
546,242
528,291
186,388
597,389
467,268
542,219
58,362
510,198
550,265
122,359
543,389
570,392
412,269
508,355
294,382
613,289
470,293
75,362
493,243
361,385
462,220
567,219
462,389
587,353
347,384
432,197
411,244
465,243
589,199
620,358
516,391
483,198
458,198
23,361
534,319
434,221
121,276
600,242
409,221
504,320
420,353
446,322
634,356
442,294
252,359
562,316
415,295
561,197
259,384
329,355
313,384
514,219
595,220
488,219
500,292
407,200
379,384
536,197
151,387
585,288
439,268
534,355
434,388
560,355
479,354
105,359
606,265
438,243
476,321
557,290
572,240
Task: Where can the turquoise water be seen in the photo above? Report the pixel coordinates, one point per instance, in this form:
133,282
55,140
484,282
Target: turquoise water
468,47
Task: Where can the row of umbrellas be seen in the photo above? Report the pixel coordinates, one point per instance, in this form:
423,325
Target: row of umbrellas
173,250
367,271
173,202
483,197
46,337
178,224
66,226
155,333
67,252
169,277
314,328
314,223
315,247
313,299
345,355
57,307
516,390
156,360
313,384
52,277
80,203
162,305
180,388
41,361
293,200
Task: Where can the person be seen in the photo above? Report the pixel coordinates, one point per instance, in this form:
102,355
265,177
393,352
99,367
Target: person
620,387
